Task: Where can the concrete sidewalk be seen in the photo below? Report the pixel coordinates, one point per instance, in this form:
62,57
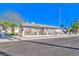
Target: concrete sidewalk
7,40
36,37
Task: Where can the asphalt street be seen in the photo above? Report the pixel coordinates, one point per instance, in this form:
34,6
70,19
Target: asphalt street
41,47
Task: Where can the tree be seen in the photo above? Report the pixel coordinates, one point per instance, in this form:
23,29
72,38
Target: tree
75,26
5,23
13,25
8,24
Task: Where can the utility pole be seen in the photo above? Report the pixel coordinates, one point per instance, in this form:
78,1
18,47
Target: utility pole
59,16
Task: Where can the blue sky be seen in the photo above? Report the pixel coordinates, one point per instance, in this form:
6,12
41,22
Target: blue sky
44,13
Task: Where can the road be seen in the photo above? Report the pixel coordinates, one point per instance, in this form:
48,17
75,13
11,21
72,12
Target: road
42,47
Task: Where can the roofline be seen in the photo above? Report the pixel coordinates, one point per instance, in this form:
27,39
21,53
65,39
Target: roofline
40,25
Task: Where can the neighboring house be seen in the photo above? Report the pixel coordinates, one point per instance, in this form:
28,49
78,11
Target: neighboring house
17,30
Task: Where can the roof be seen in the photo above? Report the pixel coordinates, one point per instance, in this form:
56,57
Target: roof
40,25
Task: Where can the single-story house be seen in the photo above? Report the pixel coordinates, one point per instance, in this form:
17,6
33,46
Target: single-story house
40,29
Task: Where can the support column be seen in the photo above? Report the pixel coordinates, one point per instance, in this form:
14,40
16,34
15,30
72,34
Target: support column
37,32
23,32
53,33
47,32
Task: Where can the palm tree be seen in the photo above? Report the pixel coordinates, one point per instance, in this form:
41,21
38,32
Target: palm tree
75,26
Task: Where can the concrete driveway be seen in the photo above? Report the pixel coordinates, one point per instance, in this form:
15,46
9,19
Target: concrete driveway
42,47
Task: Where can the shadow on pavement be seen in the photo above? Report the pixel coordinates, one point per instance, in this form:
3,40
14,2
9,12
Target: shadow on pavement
4,54
53,45
7,37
